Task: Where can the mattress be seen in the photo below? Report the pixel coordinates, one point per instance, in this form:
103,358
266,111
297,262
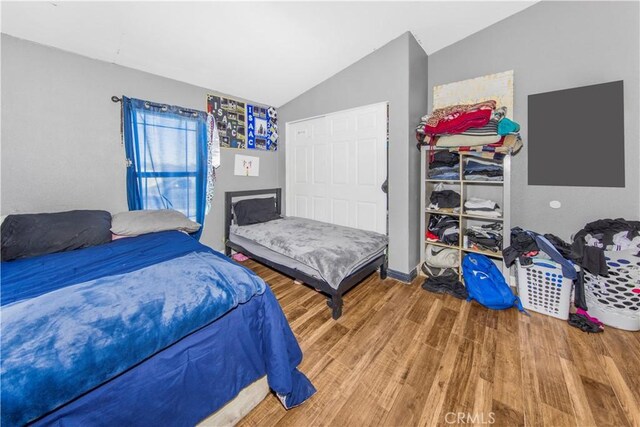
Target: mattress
321,250
238,408
263,252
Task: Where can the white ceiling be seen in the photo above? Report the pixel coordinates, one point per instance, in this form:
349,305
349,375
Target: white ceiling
269,52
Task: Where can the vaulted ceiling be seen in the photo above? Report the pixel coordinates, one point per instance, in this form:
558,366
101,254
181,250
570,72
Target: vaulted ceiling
269,52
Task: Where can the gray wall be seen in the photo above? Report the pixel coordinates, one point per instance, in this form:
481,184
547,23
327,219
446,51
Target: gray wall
383,75
552,46
418,105
61,133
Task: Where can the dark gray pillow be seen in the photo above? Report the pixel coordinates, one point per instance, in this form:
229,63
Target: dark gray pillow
28,235
254,211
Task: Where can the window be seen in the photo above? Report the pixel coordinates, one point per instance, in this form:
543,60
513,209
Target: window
167,157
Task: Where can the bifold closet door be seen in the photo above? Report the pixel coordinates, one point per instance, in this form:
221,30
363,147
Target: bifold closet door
336,165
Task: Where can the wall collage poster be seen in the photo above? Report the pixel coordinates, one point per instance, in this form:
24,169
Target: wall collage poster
242,125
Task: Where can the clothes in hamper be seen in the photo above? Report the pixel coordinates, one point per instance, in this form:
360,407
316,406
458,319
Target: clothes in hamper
568,269
561,246
522,242
592,258
621,242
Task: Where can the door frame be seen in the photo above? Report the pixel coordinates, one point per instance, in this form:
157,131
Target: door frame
288,159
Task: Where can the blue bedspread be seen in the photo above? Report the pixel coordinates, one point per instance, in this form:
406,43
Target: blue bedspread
72,321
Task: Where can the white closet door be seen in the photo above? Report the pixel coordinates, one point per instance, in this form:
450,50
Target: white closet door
336,165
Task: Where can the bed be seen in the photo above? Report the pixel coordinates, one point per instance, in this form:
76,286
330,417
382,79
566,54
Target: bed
150,330
331,258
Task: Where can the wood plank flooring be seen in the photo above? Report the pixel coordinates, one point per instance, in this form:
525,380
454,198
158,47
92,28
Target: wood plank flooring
400,356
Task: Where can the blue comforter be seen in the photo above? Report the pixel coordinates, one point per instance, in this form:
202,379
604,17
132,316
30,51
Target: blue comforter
72,321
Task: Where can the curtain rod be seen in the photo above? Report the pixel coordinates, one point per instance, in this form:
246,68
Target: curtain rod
115,99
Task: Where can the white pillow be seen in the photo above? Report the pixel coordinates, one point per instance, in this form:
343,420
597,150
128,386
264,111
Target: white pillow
134,223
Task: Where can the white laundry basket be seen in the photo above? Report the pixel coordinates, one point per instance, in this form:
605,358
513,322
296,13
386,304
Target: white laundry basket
543,288
615,300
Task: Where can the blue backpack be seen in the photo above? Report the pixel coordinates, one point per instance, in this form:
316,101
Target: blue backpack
485,284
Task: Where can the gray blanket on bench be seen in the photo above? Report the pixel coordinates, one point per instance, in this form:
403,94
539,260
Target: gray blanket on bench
332,250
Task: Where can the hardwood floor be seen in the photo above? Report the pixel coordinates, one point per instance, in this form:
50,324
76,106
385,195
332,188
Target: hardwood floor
401,356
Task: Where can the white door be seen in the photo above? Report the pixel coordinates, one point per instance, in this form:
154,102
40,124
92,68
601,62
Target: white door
336,165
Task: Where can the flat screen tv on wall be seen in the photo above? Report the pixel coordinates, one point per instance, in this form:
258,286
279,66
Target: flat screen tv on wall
576,137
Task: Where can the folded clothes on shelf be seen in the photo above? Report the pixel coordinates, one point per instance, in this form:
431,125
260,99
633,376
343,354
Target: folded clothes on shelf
510,144
444,158
457,118
491,128
485,237
480,204
444,229
444,165
482,207
479,169
444,199
480,177
479,127
443,173
462,140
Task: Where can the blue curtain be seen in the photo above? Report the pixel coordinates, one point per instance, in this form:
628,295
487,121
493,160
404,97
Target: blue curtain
166,148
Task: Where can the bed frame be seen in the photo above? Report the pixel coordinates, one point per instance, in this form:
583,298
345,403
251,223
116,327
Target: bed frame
335,295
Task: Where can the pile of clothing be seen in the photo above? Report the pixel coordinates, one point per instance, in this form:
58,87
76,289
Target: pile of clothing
444,165
443,229
482,207
446,283
480,128
484,237
590,243
476,169
444,200
528,244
